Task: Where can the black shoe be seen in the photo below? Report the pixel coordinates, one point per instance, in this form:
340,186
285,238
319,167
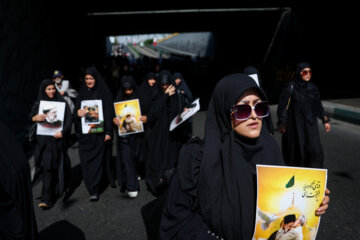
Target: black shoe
94,197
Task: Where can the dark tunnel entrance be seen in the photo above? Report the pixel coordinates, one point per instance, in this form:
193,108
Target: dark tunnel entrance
209,44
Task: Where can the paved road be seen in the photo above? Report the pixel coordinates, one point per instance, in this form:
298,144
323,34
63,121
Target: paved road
115,216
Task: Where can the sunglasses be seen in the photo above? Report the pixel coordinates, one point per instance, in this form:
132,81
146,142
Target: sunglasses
242,112
305,72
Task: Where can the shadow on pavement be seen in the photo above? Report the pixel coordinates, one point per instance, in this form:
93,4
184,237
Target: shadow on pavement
62,230
75,181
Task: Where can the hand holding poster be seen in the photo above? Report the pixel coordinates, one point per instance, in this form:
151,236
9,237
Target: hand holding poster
93,121
286,202
54,119
128,113
187,113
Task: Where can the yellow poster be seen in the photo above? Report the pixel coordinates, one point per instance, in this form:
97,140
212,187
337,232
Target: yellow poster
128,113
287,198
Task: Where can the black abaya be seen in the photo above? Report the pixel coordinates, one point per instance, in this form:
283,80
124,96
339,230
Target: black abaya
215,186
95,153
128,147
50,154
163,144
17,217
301,142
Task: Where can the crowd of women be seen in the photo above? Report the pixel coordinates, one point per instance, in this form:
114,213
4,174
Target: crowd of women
204,188
150,154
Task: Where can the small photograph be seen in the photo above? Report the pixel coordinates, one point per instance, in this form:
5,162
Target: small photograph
92,114
186,114
129,112
286,202
93,121
53,122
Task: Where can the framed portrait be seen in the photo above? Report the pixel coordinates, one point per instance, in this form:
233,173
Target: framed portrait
93,121
54,120
287,199
129,113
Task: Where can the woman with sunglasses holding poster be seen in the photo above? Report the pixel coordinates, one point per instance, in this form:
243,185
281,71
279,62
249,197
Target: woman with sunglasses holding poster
298,109
212,194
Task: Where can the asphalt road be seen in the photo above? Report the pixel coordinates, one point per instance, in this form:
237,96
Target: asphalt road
115,216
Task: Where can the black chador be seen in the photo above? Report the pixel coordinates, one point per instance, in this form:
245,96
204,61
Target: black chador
163,144
212,194
299,109
50,153
17,217
95,152
128,146
147,91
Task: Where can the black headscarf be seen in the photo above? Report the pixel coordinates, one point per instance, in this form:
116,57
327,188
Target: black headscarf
99,91
164,77
307,94
227,182
183,87
249,70
127,82
42,94
148,93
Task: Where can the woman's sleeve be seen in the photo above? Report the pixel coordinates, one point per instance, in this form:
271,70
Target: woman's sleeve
34,110
68,120
76,118
108,114
282,104
178,220
323,116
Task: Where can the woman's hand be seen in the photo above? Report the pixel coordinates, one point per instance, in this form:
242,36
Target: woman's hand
324,204
81,112
327,127
107,138
281,128
143,119
39,118
58,135
170,90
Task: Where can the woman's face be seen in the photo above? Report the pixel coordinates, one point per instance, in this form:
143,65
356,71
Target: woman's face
50,91
151,82
177,81
89,80
128,91
250,128
306,74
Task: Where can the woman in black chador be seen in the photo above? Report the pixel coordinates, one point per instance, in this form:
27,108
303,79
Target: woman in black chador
50,153
185,99
147,91
212,194
163,144
17,216
95,148
298,110
128,146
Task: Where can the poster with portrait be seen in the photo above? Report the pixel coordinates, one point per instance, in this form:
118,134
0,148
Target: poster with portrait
287,199
54,120
186,114
93,121
129,113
